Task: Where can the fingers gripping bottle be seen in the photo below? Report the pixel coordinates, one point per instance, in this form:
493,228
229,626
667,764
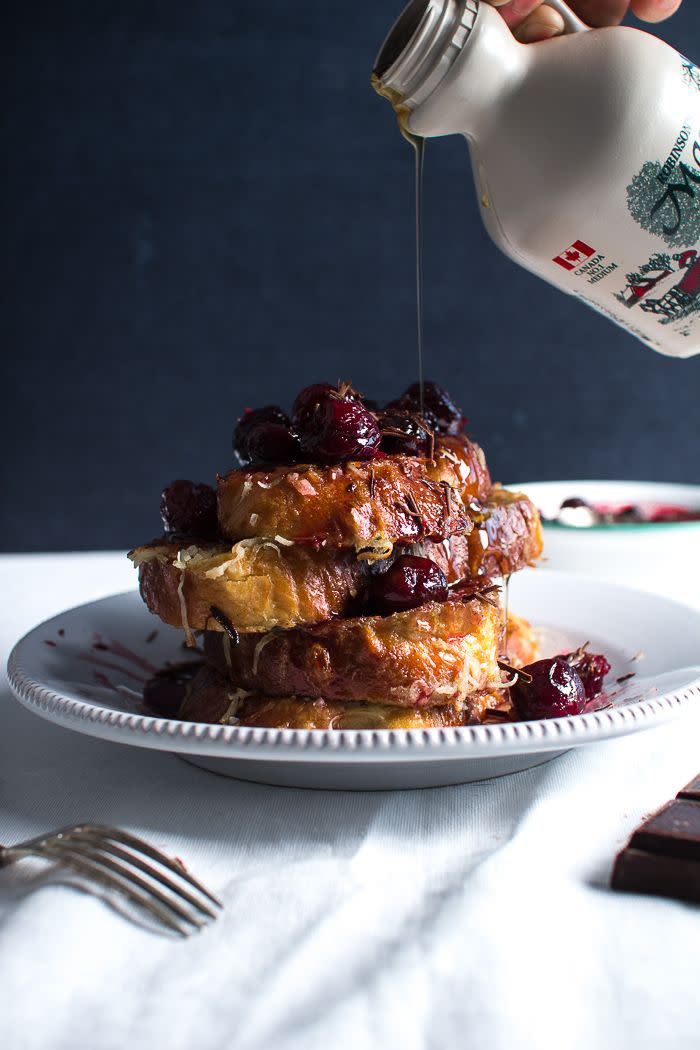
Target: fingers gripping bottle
585,150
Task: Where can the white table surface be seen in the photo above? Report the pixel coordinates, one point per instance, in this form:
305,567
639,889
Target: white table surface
474,916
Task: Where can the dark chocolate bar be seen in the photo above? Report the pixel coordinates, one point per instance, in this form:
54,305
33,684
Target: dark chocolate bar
663,855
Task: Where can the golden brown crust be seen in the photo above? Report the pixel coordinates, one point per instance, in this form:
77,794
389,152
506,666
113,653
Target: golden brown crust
513,534
256,584
211,698
259,584
431,656
507,539
366,505
462,463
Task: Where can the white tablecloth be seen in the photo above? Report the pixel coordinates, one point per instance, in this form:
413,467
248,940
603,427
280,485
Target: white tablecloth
474,916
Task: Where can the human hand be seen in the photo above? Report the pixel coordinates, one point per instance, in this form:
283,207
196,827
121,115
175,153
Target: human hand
533,20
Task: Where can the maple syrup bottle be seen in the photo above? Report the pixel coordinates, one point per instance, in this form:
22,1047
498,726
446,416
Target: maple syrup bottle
585,151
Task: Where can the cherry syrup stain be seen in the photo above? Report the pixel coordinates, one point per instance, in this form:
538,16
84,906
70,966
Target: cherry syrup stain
103,680
124,653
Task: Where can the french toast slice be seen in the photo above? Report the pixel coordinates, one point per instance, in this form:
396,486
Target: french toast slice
508,538
212,698
513,535
436,654
259,584
368,505
256,584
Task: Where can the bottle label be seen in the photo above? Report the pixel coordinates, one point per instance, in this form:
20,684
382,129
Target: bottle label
636,258
664,199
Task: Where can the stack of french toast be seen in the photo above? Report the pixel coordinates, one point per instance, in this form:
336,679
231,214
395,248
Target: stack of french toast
349,573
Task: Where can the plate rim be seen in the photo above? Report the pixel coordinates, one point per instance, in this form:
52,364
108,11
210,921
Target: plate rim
643,529
350,745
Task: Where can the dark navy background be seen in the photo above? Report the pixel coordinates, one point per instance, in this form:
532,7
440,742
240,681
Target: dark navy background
206,207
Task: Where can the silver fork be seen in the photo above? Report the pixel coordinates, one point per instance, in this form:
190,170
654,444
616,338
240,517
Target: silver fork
115,858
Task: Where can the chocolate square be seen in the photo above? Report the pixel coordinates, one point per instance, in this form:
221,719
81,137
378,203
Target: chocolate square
673,832
638,872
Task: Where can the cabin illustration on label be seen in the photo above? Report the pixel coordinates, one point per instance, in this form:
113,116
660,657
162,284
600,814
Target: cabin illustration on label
667,286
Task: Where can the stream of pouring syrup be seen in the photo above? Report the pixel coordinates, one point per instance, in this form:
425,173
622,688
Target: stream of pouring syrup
419,148
418,144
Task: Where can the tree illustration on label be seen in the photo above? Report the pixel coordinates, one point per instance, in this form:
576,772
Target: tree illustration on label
665,199
691,73
652,273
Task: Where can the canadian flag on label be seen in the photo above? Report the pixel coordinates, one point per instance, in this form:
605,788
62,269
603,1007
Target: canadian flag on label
574,255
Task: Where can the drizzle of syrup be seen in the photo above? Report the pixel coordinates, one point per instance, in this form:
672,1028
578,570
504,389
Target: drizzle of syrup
419,147
506,589
402,116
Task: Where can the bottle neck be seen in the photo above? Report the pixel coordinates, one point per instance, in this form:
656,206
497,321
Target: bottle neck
445,64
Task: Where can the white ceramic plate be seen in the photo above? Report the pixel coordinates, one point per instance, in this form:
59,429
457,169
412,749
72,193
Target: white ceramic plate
84,669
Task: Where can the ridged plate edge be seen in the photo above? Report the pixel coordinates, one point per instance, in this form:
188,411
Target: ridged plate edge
198,737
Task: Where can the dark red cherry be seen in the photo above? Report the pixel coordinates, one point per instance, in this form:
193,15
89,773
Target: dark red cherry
407,583
555,690
340,430
591,669
251,418
437,404
631,514
166,690
189,509
308,401
404,406
574,503
270,442
404,435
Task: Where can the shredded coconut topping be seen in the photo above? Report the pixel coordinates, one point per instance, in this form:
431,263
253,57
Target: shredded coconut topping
235,698
247,486
259,648
239,551
141,555
183,557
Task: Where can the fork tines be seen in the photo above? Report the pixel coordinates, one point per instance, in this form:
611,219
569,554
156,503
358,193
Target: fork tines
130,866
